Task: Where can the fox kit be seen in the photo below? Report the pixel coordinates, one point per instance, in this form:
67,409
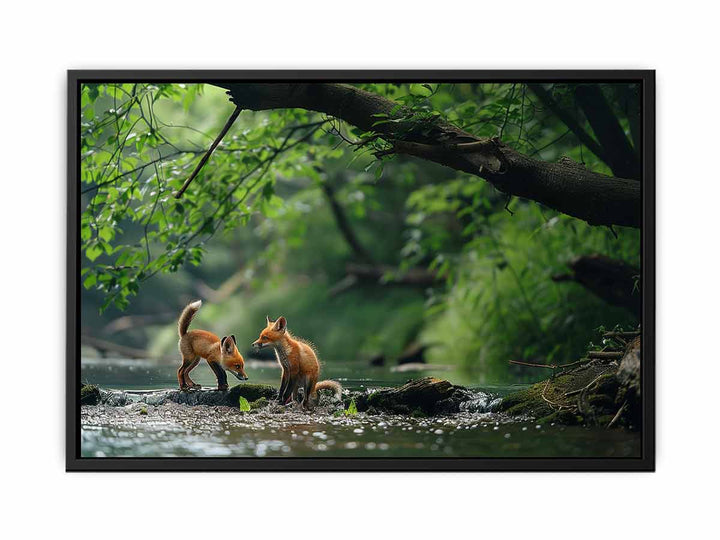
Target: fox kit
221,354
299,363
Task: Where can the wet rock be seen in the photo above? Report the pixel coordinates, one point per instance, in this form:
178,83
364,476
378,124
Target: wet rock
427,396
481,402
115,398
230,398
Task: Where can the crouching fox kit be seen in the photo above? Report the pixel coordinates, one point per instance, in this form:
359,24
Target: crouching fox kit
221,354
299,363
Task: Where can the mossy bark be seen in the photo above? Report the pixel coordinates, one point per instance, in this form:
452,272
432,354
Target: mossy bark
428,395
600,392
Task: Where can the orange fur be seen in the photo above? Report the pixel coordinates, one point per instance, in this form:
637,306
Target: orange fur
220,354
299,363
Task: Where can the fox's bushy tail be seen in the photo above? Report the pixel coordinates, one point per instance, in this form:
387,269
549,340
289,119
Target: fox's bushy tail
187,316
335,386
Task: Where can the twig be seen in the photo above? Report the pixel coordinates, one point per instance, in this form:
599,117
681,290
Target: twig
550,366
519,363
617,415
507,205
510,95
605,355
207,155
622,334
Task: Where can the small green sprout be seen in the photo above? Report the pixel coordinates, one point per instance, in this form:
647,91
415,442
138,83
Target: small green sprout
244,404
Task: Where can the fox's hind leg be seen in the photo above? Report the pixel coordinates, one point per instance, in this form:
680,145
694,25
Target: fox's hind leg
188,381
187,361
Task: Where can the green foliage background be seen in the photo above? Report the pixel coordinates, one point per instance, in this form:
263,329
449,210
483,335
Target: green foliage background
257,213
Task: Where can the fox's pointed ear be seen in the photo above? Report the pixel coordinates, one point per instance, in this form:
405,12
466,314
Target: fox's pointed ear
269,322
226,344
280,324
234,340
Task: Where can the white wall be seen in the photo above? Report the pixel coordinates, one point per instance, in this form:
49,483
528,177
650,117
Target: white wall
39,43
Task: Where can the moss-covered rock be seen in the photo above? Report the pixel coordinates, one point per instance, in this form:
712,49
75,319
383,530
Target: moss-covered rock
252,392
89,394
259,403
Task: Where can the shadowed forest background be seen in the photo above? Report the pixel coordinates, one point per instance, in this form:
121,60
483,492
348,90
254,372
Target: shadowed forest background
375,246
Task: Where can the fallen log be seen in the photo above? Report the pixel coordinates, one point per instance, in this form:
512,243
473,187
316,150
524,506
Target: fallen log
428,396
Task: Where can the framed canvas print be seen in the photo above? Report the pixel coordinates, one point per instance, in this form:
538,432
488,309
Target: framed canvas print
360,270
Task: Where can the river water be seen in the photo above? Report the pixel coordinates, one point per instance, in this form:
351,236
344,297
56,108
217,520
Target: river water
172,430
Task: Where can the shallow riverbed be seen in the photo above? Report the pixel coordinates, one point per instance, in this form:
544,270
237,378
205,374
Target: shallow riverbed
141,430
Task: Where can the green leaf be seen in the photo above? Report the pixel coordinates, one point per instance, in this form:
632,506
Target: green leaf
93,251
106,233
90,281
244,404
352,409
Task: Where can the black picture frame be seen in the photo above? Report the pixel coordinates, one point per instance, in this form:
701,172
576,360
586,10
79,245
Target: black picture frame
645,463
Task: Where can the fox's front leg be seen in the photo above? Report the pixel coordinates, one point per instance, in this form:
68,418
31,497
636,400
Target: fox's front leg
290,390
219,374
283,386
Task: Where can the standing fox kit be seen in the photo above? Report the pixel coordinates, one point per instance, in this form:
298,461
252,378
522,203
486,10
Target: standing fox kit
299,363
221,354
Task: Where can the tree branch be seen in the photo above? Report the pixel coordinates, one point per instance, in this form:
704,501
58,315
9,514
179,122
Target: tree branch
418,277
344,224
621,156
203,160
569,120
566,187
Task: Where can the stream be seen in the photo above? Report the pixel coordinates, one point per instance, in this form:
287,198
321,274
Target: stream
174,430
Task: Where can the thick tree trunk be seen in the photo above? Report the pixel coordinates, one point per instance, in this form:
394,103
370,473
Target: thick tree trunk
621,156
565,186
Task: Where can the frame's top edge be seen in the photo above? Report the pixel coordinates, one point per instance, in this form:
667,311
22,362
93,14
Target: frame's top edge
78,75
